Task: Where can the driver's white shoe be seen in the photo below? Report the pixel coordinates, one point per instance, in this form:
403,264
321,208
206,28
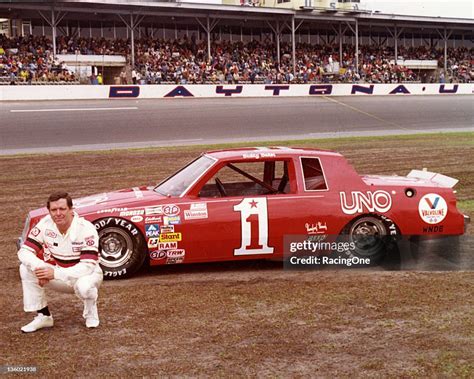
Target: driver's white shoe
39,322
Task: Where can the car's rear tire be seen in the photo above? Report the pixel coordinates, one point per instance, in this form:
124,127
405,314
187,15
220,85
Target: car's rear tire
121,247
371,237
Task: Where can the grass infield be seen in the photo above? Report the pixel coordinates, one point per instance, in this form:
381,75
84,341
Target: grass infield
243,319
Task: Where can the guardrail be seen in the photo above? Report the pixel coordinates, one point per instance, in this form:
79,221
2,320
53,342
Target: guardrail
81,92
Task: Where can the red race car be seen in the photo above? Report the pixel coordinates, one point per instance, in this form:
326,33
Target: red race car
247,203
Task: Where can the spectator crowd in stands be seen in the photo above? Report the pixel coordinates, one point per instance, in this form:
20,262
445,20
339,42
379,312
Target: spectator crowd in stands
30,59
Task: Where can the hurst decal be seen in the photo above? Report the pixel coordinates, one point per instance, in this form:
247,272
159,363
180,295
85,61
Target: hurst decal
360,202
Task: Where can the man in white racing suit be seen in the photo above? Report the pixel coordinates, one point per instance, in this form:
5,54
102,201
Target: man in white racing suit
69,244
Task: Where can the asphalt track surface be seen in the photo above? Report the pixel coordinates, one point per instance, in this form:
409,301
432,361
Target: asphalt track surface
56,126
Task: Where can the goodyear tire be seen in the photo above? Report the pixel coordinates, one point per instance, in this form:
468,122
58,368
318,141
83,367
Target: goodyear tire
121,247
371,237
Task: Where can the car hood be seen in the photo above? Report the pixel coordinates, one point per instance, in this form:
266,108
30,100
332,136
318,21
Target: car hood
125,198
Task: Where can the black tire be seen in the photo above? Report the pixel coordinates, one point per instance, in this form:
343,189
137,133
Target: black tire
372,237
121,247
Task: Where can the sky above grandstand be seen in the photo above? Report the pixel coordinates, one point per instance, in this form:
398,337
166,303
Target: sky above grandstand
435,8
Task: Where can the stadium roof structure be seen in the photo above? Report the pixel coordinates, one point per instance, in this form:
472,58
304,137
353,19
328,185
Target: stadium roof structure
173,13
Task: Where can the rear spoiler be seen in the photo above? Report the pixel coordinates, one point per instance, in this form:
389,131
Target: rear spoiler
441,180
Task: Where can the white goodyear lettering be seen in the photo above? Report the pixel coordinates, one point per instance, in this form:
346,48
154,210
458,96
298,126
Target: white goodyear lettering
378,201
432,208
170,237
253,226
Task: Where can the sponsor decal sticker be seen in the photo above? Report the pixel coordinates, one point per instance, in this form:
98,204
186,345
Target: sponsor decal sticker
317,228
154,210
167,245
35,231
360,202
49,233
432,208
171,220
152,230
157,255
172,261
153,243
194,215
136,212
177,253
171,210
112,210
167,229
198,207
153,220
170,237
136,218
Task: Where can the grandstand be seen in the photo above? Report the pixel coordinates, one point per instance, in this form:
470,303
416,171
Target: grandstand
224,42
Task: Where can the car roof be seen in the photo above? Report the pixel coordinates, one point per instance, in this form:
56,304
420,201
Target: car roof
269,151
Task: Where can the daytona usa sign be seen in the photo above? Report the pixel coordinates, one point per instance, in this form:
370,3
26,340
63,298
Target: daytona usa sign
275,90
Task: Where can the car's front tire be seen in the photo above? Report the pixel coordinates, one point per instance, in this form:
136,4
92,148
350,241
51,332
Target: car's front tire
121,248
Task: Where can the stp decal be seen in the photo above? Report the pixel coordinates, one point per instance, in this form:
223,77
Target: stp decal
171,210
432,208
378,201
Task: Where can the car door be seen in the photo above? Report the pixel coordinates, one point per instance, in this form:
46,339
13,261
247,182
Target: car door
246,211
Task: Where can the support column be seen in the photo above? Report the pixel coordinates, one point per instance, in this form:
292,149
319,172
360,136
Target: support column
445,36
53,22
134,23
208,28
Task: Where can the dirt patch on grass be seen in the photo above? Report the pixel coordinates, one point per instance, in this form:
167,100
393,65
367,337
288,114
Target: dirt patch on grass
243,318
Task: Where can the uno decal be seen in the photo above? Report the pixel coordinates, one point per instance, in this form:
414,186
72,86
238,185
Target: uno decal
253,226
124,91
432,208
378,201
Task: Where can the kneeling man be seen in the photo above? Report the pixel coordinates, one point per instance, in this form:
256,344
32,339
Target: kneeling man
69,244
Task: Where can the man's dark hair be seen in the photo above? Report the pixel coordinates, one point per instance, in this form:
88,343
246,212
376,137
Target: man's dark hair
60,195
